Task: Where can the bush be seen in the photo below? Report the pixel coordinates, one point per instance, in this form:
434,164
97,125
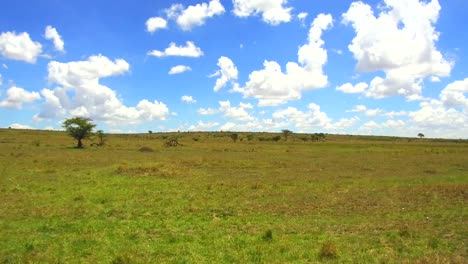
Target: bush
328,250
146,149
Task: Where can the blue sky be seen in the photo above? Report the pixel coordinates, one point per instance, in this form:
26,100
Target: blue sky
382,67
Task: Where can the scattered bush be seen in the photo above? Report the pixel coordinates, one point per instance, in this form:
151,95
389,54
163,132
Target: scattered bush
328,250
172,142
250,137
195,139
276,138
146,149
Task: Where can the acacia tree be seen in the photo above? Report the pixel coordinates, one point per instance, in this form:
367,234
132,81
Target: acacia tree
286,133
79,128
420,135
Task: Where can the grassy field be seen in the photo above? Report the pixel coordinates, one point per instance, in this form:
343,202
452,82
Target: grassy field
347,199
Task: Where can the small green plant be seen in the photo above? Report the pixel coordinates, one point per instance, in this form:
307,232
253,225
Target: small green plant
268,235
36,143
328,251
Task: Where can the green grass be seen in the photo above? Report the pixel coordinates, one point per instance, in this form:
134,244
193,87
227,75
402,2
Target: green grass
348,199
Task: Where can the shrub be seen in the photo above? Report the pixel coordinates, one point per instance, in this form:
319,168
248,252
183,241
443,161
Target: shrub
328,250
146,149
172,142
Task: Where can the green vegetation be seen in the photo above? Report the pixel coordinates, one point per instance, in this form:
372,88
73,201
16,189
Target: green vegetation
79,128
342,199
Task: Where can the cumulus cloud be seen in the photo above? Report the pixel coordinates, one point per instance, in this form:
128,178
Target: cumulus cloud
17,96
454,94
194,15
52,34
20,126
207,111
237,113
273,87
368,112
312,119
189,50
19,47
273,12
400,41
349,88
155,23
201,126
188,99
179,69
227,73
80,93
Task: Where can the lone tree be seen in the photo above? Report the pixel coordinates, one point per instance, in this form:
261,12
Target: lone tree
79,128
420,135
286,133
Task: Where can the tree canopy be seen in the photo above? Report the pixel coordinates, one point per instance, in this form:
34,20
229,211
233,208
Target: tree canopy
79,128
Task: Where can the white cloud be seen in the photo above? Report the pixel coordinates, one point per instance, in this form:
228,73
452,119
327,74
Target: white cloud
273,12
17,96
237,113
19,47
82,94
20,126
302,16
273,87
52,34
5,66
207,111
203,126
369,127
399,41
227,73
155,23
433,115
349,88
312,119
454,94
188,99
179,69
189,50
194,15
368,112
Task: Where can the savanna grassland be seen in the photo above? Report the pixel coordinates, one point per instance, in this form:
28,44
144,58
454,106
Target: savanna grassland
345,199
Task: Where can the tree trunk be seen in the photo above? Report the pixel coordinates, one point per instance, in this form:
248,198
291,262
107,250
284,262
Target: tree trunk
80,144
